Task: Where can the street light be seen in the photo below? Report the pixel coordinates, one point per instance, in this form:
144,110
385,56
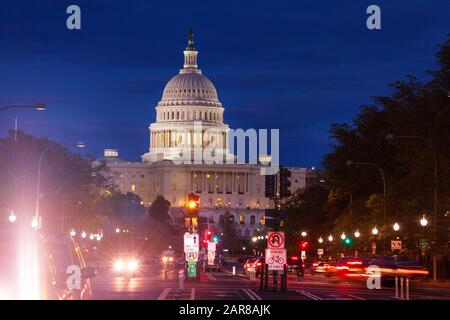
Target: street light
83,234
396,226
343,236
330,238
357,234
391,136
352,163
12,217
38,106
254,239
117,230
320,240
375,231
304,234
38,185
423,221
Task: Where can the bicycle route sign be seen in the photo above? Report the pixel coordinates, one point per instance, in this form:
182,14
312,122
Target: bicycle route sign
275,258
275,240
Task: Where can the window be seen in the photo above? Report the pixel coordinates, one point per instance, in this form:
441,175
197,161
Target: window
133,188
252,219
247,233
242,219
142,187
262,220
231,218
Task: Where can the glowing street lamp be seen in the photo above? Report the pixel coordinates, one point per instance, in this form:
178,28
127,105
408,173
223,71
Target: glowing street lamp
304,234
320,240
254,239
12,217
34,223
73,233
117,230
83,234
91,236
423,221
396,226
343,236
330,238
375,231
357,234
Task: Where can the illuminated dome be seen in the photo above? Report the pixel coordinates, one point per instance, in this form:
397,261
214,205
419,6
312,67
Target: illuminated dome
189,88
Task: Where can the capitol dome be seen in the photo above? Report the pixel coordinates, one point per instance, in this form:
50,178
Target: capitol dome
189,86
189,115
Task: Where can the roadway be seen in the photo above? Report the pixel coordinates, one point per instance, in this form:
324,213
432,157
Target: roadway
153,284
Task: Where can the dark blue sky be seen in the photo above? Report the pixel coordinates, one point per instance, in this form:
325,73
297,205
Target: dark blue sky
294,65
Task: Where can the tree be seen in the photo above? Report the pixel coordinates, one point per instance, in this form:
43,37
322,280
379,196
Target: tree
159,209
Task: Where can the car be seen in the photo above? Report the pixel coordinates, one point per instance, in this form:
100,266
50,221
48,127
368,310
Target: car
126,265
321,267
295,265
67,256
27,269
391,267
350,267
242,259
254,265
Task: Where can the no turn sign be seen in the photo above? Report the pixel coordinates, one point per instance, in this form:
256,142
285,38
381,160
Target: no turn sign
275,240
191,256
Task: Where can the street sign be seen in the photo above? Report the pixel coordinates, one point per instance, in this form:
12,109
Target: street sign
191,256
191,242
396,244
423,243
211,253
303,255
275,258
320,252
192,269
275,240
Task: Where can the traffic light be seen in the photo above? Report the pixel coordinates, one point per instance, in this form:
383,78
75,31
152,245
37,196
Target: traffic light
208,236
215,238
285,183
193,203
348,241
270,186
304,245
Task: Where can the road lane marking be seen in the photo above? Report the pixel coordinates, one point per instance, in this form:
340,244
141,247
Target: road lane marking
164,294
251,294
309,295
248,294
356,297
193,294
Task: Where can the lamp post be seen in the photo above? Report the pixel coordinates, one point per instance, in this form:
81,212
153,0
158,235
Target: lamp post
38,184
38,106
383,178
391,136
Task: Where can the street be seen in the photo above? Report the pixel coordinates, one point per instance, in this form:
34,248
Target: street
152,285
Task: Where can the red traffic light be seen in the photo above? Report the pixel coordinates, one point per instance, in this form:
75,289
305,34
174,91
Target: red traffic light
304,244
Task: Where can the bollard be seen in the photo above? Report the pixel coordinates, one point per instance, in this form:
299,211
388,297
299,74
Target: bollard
407,288
401,287
261,277
396,287
234,269
181,279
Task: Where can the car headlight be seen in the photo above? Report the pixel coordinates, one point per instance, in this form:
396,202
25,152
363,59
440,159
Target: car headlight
132,265
119,265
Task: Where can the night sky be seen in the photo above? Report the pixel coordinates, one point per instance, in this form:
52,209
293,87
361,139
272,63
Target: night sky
294,65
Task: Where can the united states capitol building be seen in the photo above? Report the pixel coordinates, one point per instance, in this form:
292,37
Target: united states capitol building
190,99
